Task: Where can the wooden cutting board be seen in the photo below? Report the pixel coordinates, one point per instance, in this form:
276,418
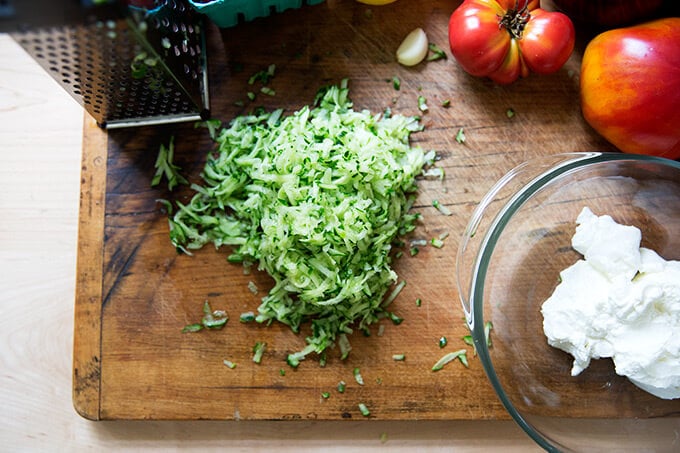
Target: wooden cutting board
135,293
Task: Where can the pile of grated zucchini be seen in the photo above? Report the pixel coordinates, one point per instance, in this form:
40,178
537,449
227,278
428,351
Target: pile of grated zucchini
317,199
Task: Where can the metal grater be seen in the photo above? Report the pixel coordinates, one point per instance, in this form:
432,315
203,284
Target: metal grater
130,63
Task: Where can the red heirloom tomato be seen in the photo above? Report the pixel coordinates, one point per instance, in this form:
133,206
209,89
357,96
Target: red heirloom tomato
630,87
507,39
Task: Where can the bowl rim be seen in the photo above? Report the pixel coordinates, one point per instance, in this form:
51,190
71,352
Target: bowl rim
474,307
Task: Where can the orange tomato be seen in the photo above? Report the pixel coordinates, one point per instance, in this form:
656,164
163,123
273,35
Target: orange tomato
630,87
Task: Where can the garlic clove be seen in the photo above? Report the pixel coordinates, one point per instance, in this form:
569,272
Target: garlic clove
413,49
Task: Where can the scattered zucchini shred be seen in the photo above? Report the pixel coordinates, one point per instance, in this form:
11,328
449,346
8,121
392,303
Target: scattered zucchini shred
192,328
435,52
460,136
396,83
364,410
434,173
212,319
258,351
467,339
422,104
461,355
213,125
396,320
263,76
393,295
488,327
165,205
247,316
316,199
165,167
345,346
357,376
441,208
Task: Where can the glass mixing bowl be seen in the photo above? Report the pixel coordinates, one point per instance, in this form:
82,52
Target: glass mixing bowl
510,257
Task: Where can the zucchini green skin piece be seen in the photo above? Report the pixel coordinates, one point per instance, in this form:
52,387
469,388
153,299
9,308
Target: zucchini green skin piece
461,354
358,377
364,410
258,351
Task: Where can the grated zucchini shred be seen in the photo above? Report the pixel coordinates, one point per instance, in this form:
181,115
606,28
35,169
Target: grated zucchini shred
316,199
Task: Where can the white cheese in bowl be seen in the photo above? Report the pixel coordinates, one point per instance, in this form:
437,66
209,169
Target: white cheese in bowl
620,301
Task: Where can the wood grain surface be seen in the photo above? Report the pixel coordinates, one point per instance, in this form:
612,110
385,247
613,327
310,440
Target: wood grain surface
39,202
135,293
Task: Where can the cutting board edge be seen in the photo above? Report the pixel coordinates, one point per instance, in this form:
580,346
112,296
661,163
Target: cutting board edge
89,263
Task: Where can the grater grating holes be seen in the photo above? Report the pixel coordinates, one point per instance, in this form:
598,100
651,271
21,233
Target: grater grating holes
95,62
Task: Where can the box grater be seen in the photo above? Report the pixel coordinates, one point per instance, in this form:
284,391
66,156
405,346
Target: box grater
128,63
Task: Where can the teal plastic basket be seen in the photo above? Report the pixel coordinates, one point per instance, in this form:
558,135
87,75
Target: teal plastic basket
227,13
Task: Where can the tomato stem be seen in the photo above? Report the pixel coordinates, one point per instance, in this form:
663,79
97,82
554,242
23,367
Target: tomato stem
515,19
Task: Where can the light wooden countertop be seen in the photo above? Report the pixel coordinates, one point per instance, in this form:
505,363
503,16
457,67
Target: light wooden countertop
40,149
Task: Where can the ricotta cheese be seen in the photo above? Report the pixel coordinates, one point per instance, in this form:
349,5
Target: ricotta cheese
620,301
